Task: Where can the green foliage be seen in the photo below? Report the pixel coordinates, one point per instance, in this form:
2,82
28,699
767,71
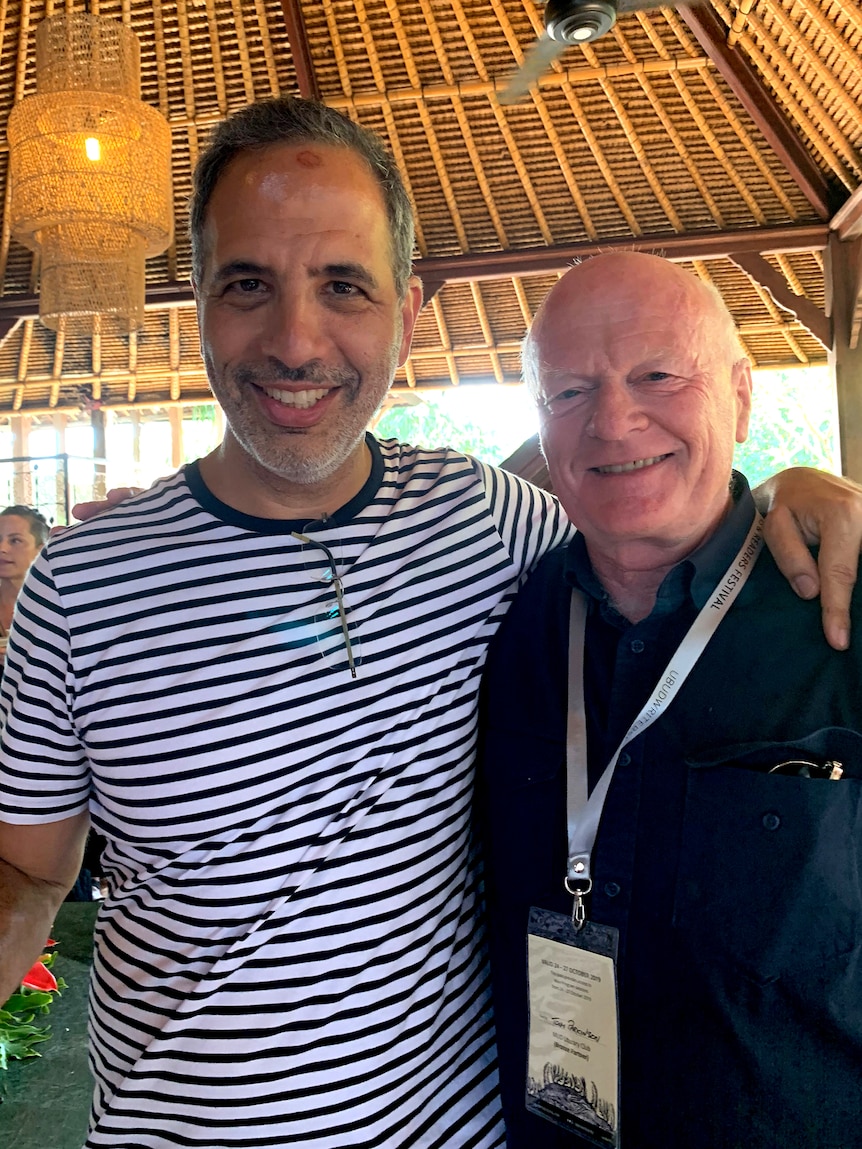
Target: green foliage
794,423
29,1001
429,424
19,1036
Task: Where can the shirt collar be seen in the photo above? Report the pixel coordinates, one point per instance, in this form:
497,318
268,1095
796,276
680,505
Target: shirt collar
694,578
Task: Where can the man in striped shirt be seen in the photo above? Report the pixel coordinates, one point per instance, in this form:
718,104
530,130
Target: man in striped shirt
258,681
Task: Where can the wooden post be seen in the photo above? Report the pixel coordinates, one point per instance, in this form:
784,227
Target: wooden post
135,420
60,422
100,450
175,414
843,273
61,479
22,474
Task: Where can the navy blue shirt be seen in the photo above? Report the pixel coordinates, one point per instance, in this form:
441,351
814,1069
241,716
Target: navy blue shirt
737,892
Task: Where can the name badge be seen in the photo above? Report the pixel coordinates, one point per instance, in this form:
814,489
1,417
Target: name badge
573,1076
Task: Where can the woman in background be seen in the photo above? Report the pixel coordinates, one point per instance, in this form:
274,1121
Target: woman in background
23,532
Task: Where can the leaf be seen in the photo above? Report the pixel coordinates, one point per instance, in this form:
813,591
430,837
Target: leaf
27,1002
18,1040
18,1035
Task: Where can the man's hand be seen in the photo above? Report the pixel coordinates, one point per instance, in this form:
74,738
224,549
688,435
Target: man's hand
115,496
806,507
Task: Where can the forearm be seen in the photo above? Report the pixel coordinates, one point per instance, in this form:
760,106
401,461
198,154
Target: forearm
38,866
27,910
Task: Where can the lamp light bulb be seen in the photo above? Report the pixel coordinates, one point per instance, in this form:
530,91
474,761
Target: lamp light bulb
93,149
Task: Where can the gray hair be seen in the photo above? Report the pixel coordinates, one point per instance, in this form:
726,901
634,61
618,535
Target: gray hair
530,363
288,120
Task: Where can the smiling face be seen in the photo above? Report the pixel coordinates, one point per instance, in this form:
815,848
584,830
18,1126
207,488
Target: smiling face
301,325
642,395
18,548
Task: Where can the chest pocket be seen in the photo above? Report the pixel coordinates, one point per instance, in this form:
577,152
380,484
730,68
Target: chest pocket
769,874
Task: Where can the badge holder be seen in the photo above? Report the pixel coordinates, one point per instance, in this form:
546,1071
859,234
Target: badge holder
573,1070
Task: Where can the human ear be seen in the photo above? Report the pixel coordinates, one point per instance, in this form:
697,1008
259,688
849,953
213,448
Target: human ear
410,308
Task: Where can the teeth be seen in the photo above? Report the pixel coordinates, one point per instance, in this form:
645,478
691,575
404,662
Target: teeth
301,399
620,468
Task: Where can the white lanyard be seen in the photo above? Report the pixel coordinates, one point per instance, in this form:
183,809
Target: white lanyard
584,811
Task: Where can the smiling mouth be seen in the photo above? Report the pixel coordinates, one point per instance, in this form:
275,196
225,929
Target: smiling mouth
624,468
300,399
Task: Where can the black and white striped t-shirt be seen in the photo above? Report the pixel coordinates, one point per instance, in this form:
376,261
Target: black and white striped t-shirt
289,953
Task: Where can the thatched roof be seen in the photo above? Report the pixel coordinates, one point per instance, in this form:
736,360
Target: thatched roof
728,136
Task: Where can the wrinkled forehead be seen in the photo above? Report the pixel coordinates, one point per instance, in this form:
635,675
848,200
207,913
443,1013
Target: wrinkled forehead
620,335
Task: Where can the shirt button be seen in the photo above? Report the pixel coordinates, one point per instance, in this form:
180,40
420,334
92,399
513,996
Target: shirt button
637,646
612,889
624,759
771,821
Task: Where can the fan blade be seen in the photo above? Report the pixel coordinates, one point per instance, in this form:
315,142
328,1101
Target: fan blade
536,63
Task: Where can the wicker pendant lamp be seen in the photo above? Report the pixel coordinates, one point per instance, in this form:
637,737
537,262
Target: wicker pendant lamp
90,172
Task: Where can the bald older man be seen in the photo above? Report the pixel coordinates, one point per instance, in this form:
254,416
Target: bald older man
681,809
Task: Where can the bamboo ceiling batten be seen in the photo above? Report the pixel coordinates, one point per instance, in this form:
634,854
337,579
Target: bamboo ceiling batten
726,136
89,172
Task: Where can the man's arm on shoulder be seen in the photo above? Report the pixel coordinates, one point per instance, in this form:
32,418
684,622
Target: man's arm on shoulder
530,519
806,507
38,866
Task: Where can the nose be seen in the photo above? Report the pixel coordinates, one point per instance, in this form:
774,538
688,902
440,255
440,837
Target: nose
616,411
296,331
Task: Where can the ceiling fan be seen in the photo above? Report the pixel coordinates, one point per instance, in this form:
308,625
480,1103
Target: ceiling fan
567,22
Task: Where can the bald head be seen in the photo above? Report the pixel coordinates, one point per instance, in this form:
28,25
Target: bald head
619,279
643,391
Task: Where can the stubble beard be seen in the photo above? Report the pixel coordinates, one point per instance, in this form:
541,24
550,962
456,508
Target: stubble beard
304,457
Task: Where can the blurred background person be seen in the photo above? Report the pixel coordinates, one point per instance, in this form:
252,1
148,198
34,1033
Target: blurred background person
23,532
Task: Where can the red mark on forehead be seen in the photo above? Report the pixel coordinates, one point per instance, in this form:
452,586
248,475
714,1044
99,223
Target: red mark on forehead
309,159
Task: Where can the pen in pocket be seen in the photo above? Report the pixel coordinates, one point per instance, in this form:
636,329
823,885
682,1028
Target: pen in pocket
799,768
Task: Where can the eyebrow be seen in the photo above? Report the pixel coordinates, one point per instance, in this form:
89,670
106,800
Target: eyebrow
553,376
352,271
239,267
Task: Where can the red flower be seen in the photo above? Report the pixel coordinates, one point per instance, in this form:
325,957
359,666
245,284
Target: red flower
40,978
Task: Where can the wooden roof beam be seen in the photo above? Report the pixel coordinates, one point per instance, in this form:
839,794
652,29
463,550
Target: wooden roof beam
437,270
8,323
678,248
744,81
808,313
300,49
158,297
430,287
843,276
847,221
